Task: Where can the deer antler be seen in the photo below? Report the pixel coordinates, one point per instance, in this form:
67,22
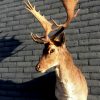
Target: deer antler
69,6
43,21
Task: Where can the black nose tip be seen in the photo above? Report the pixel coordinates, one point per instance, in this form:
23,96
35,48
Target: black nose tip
37,68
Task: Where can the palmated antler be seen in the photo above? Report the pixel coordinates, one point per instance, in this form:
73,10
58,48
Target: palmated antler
43,21
69,6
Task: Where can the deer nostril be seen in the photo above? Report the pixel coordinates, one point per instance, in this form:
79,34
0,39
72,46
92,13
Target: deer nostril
37,68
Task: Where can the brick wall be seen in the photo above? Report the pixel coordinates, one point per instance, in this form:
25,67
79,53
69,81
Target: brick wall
19,54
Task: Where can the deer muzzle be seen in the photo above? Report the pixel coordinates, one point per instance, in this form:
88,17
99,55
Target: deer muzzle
40,69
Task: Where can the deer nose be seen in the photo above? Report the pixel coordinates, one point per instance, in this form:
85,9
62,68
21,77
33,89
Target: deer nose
37,68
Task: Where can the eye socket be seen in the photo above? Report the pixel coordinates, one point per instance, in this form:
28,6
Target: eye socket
52,50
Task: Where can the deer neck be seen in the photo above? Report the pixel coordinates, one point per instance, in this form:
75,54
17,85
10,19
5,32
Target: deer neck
65,68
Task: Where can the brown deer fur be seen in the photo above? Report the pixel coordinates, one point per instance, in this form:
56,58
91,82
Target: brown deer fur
70,82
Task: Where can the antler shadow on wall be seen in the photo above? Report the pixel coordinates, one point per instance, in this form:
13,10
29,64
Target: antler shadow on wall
41,88
7,46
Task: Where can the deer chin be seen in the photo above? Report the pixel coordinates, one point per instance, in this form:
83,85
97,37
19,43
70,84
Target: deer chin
43,71
46,70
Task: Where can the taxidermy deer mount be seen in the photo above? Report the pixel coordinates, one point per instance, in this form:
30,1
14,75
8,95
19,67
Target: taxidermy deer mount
70,82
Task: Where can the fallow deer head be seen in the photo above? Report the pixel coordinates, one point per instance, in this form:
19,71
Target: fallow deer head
53,45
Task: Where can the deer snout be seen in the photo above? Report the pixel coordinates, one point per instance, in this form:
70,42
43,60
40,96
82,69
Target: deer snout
37,68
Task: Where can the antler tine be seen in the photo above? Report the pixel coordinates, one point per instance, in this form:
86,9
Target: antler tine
28,4
39,39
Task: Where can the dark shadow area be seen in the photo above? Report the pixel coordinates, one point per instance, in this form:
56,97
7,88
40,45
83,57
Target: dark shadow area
7,46
42,88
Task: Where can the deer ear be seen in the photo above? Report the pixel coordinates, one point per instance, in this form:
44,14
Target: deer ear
62,38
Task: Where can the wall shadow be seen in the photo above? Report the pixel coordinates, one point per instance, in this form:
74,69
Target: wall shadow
7,46
42,88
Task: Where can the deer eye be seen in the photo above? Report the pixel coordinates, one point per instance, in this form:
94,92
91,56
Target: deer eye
52,50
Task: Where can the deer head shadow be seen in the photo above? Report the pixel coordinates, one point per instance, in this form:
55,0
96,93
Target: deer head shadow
7,46
42,88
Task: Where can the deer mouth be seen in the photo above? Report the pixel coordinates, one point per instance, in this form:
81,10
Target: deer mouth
40,70
43,71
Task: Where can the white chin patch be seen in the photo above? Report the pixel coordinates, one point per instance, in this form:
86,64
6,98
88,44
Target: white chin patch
43,71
